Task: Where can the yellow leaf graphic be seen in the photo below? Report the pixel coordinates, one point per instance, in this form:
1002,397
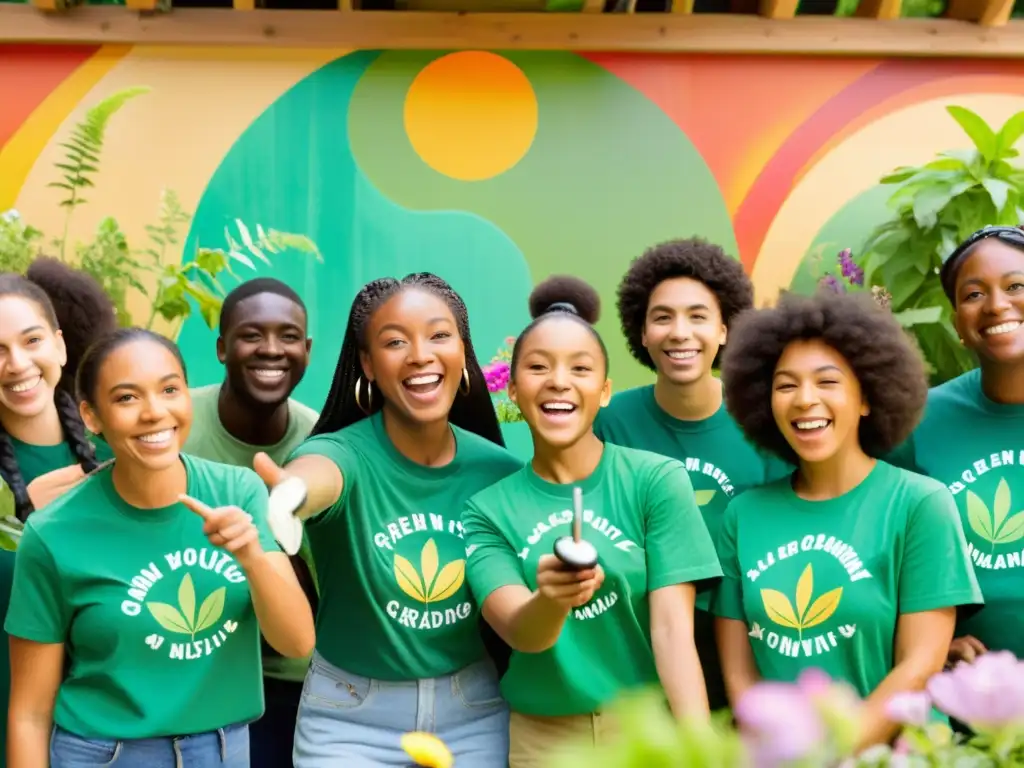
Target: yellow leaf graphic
408,580
822,609
703,497
211,609
428,564
978,517
1001,505
1013,530
778,608
448,581
187,599
169,618
804,591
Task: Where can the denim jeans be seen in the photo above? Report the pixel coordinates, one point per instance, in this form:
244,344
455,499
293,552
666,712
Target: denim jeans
357,722
223,748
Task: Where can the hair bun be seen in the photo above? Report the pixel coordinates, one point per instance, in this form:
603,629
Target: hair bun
565,293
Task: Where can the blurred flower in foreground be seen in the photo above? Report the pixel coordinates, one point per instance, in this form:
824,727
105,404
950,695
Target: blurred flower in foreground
910,708
427,750
987,694
831,283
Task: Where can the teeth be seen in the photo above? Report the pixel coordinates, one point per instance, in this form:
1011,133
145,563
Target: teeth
24,386
1009,327
816,424
157,437
683,355
267,373
558,407
430,378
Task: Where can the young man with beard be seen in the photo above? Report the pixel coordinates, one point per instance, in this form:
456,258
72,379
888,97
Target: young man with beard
675,304
264,347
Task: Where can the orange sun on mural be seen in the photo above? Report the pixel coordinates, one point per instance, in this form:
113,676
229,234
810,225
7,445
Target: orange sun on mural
471,115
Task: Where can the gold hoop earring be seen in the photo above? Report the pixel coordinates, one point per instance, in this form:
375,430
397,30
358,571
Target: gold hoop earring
464,387
369,395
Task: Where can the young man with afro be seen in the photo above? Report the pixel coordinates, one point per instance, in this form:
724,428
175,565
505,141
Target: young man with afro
675,305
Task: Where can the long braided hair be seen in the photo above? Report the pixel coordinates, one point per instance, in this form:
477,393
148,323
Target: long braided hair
473,412
67,407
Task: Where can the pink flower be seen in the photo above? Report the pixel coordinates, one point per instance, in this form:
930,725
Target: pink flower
496,374
780,723
910,708
986,695
510,341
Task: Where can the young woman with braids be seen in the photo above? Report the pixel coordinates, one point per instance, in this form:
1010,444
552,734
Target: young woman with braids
41,432
140,595
407,434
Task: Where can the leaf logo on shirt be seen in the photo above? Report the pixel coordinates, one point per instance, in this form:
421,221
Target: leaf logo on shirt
996,526
184,619
807,613
427,585
704,497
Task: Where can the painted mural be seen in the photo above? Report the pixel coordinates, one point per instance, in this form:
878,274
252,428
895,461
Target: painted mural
328,168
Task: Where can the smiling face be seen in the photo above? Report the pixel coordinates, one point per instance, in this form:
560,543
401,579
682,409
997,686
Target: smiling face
141,404
817,401
560,381
265,350
990,302
415,355
32,355
683,330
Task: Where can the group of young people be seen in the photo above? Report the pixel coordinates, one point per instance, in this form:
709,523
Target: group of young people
815,506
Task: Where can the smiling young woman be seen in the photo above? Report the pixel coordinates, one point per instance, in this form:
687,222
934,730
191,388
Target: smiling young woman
581,637
676,303
853,566
407,434
136,609
972,434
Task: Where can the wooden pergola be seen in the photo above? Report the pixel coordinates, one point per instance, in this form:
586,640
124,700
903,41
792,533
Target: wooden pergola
969,28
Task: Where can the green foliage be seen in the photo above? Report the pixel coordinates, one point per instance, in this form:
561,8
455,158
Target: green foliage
18,242
82,154
110,261
937,206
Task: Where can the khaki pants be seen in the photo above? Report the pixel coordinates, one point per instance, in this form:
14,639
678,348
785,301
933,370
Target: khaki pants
535,742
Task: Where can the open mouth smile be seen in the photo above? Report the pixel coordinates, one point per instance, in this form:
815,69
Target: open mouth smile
157,441
1003,328
811,427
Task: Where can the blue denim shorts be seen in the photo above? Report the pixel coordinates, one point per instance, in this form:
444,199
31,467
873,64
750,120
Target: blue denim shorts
223,748
357,722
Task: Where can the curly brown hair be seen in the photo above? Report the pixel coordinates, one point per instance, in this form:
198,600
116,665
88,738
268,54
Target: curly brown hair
695,258
887,365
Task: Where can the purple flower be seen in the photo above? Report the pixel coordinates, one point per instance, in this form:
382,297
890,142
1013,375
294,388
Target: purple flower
496,374
831,283
986,695
780,723
849,267
910,708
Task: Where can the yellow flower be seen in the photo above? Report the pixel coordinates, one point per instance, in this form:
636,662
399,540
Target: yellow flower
426,749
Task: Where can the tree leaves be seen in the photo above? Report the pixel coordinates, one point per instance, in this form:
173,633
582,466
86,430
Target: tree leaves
807,613
183,618
427,585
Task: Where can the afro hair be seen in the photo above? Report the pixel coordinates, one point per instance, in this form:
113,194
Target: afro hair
887,365
694,258
563,296
84,311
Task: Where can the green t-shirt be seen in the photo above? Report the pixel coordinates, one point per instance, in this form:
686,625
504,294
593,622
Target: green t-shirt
209,440
721,464
976,448
158,625
390,557
641,515
37,460
822,583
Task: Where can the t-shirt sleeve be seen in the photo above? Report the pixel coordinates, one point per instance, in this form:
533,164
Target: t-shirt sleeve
936,571
38,610
727,596
679,547
255,497
491,561
340,451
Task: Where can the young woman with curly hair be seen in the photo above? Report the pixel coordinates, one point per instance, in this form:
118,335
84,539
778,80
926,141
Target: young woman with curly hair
972,435
407,435
582,637
676,304
853,565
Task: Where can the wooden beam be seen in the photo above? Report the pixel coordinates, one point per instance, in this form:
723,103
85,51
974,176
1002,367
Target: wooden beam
642,32
988,13
880,9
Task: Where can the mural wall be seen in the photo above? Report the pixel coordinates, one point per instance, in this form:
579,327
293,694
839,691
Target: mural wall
493,170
